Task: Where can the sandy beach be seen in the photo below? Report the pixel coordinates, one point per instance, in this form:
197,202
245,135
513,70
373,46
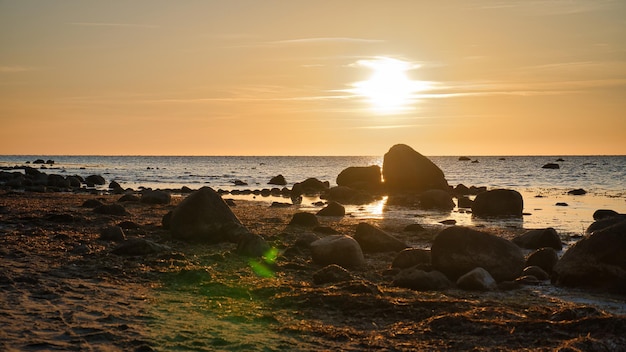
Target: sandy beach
63,288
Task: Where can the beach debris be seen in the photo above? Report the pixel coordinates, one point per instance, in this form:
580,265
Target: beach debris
361,177
421,280
498,202
205,217
278,180
596,261
304,219
457,250
373,240
552,166
112,233
337,249
577,192
155,197
545,258
436,199
409,257
331,274
539,238
332,209
404,169
478,279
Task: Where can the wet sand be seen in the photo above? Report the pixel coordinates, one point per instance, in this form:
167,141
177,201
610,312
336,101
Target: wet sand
61,288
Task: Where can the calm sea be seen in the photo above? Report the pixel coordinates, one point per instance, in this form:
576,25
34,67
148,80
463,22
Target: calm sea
603,177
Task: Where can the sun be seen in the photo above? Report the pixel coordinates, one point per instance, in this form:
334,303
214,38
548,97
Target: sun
388,89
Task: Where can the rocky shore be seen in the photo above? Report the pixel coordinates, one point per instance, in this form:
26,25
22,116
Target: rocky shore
160,270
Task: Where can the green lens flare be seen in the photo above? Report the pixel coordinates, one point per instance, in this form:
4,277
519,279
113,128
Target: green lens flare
260,267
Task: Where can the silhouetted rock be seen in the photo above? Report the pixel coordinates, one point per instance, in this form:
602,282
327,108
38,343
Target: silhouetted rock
464,202
111,209
404,169
477,279
337,249
361,177
304,219
457,250
91,203
128,198
596,261
606,222
461,189
420,280
545,258
372,239
92,180
278,180
409,257
498,202
604,214
414,228
436,199
309,186
577,192
332,209
331,274
464,158
204,216
539,238
551,166
155,197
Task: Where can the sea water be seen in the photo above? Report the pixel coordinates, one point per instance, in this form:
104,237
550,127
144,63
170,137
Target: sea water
603,177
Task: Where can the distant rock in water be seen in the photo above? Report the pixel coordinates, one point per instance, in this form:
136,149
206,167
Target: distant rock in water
309,186
498,202
204,216
278,180
404,169
464,158
577,192
551,166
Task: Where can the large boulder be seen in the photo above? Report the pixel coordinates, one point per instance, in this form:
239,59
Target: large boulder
596,261
372,239
204,216
404,169
156,197
337,249
361,177
539,238
310,186
498,202
457,250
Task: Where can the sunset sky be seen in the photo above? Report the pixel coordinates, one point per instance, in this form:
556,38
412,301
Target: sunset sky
150,77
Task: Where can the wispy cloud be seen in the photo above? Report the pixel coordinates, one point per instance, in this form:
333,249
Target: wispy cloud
313,41
113,25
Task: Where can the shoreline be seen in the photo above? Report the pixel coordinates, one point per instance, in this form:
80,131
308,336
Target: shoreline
63,288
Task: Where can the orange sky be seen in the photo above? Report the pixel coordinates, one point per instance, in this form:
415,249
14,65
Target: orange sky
150,77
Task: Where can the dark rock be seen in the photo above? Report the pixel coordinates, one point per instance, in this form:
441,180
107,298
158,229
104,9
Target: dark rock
545,258
372,239
240,183
360,177
411,257
414,228
112,233
604,214
465,202
464,158
92,180
204,216
461,189
606,222
528,280
278,180
539,238
280,205
331,274
537,272
448,222
138,247
155,197
128,198
326,230
577,192
305,240
457,250
111,209
114,185
337,249
310,186
420,280
561,204
39,161
476,190
58,181
304,219
478,279
166,221
251,245
498,202
436,199
596,261
91,203
128,225
553,166
74,181
332,209
404,169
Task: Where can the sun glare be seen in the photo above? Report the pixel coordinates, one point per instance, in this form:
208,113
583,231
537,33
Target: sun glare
388,89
